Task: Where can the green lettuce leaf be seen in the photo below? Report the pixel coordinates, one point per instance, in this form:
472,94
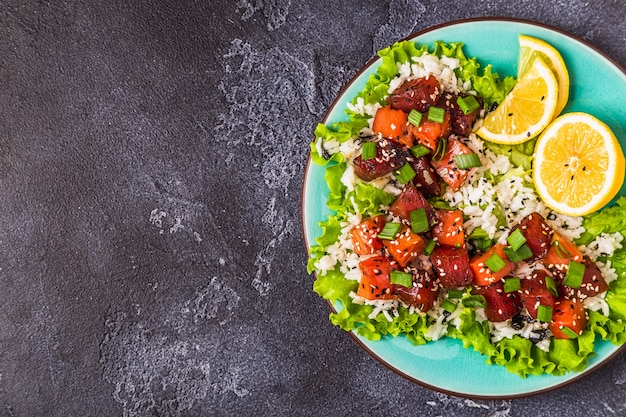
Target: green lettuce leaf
336,189
488,85
520,155
341,132
609,220
473,334
572,354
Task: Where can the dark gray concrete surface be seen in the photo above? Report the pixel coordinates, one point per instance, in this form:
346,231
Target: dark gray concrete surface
151,253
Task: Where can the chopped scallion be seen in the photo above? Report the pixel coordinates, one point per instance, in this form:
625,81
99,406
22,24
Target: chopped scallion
523,253
475,301
401,278
551,286
448,305
368,151
516,239
419,220
419,150
440,151
415,117
455,293
390,231
467,104
482,245
430,247
512,284
467,160
405,174
544,313
495,263
574,275
560,250
436,114
569,332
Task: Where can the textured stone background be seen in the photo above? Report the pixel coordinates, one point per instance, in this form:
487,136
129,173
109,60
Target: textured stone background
151,254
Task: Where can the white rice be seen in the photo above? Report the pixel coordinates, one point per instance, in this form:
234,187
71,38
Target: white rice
604,245
362,108
596,303
503,330
442,319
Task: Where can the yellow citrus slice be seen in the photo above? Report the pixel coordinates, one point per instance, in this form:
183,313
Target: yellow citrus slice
526,110
578,164
530,48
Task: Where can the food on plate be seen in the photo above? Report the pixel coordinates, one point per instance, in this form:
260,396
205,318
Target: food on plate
530,48
578,165
527,110
437,231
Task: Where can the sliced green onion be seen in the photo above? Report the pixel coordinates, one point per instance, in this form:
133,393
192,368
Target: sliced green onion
482,245
419,220
415,117
495,263
560,250
419,150
551,286
521,254
448,305
401,278
430,247
467,104
569,332
436,114
467,160
512,284
390,231
405,174
516,239
455,293
544,313
574,275
368,151
475,301
440,151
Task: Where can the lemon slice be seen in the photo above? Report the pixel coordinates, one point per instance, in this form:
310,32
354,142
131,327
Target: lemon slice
530,48
578,164
526,110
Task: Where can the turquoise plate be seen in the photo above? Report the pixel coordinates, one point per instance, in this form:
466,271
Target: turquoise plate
598,86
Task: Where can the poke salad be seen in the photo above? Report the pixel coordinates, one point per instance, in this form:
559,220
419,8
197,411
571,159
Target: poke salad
437,231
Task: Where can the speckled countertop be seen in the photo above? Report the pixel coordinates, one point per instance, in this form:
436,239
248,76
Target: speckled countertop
151,254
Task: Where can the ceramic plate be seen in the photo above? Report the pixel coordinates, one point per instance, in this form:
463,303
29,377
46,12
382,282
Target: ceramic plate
598,86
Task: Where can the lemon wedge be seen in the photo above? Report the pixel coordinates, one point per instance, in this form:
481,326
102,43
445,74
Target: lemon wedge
578,164
530,48
527,110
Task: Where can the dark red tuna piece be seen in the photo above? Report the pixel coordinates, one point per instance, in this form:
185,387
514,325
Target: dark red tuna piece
538,234
460,123
534,292
451,266
417,94
593,282
446,166
423,293
426,179
411,199
501,305
390,156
